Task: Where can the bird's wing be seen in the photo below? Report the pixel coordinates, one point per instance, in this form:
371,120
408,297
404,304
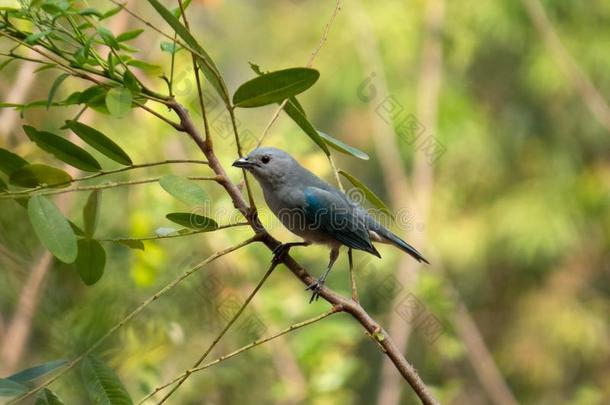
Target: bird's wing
333,214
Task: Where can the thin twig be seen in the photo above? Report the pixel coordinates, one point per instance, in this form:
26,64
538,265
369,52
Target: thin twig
223,332
173,235
102,186
312,57
351,274
132,314
242,349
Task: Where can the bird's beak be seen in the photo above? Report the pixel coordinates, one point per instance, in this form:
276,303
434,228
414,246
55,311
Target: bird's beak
243,163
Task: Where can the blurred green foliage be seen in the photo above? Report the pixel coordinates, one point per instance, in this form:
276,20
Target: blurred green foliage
519,215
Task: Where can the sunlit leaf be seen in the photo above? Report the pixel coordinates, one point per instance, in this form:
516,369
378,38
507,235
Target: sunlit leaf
90,261
90,12
55,86
193,221
36,174
52,228
343,147
9,388
104,386
108,37
90,212
63,149
169,47
372,197
129,35
147,67
10,162
100,142
118,101
274,87
47,397
183,189
33,373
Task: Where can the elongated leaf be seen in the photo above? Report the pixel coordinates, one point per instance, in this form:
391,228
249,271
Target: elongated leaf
108,38
372,197
52,228
300,119
76,229
63,149
9,162
274,87
193,221
129,35
35,175
33,373
343,147
10,388
3,185
47,397
100,142
104,386
118,101
90,261
205,62
183,189
60,79
90,213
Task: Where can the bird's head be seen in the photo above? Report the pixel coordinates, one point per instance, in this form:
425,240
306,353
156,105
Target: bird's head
268,165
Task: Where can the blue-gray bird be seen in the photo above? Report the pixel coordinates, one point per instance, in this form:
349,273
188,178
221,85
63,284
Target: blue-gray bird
314,210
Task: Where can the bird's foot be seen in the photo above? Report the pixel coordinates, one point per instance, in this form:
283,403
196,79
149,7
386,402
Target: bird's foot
279,252
316,288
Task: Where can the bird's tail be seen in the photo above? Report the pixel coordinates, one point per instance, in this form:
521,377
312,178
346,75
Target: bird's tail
404,246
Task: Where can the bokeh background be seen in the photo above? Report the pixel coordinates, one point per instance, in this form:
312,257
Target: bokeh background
487,124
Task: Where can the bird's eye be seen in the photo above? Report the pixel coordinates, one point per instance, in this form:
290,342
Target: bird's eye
265,159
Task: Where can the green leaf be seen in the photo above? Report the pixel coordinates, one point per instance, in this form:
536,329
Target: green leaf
90,12
183,189
178,11
274,87
372,197
147,67
343,147
33,373
3,185
169,47
52,228
300,119
90,211
90,261
63,149
111,12
132,244
204,60
76,229
193,221
9,162
35,175
60,79
47,397
100,142
103,384
108,38
9,388
33,38
118,101
131,82
129,35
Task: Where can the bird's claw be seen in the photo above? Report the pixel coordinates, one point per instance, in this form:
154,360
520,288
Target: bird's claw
316,288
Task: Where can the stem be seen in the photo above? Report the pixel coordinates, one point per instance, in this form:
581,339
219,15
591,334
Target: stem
173,235
94,187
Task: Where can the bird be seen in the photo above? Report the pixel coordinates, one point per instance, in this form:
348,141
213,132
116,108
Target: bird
316,211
